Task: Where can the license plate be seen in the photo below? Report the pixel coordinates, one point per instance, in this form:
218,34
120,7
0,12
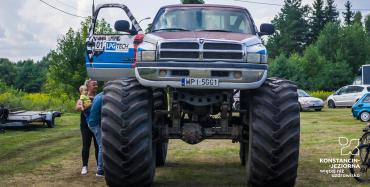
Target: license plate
199,82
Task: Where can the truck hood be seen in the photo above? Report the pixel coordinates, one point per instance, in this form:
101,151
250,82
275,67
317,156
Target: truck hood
247,39
205,35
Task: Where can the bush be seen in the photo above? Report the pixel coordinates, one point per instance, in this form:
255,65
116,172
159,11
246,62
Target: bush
36,101
320,94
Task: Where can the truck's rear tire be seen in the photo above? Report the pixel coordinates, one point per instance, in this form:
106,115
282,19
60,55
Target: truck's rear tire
127,134
242,153
160,103
161,153
274,130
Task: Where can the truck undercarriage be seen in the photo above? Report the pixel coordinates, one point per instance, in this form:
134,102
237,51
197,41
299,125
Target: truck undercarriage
194,116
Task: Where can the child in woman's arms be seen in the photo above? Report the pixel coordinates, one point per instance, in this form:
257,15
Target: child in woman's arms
86,102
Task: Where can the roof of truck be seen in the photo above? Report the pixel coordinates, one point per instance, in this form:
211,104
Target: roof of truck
203,5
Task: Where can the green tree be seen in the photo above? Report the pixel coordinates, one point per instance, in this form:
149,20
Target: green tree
357,19
293,29
354,47
8,72
284,68
331,13
348,14
192,1
312,65
30,76
328,41
3,86
67,69
367,24
317,19
335,76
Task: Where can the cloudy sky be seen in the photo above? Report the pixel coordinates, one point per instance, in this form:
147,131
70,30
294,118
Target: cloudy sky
29,29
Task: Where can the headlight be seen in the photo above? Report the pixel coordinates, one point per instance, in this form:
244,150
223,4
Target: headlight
256,58
145,56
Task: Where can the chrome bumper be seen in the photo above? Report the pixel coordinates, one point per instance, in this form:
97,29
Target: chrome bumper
252,75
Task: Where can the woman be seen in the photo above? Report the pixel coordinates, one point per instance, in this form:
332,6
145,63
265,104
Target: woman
87,135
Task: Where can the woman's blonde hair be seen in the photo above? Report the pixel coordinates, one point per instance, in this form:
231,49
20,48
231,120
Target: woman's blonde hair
87,82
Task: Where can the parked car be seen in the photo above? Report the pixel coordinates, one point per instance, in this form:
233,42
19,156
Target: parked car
347,95
361,109
307,102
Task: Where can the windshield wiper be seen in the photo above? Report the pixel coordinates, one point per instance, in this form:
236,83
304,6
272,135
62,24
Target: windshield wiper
170,29
213,30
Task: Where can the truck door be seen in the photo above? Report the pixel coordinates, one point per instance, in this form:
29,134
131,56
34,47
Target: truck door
110,46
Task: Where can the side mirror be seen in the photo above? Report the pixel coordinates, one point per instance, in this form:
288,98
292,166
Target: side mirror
122,26
266,29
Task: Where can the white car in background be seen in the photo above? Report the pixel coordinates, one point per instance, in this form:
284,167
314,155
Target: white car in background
347,95
307,102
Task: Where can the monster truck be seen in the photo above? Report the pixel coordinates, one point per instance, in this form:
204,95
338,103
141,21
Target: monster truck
177,82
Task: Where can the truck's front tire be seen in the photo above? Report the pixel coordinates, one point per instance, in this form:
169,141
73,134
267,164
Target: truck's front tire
274,130
127,134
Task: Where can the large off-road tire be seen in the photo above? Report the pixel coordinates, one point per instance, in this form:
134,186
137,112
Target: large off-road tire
160,103
242,153
127,134
274,130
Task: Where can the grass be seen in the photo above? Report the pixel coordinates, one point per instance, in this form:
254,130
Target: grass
37,156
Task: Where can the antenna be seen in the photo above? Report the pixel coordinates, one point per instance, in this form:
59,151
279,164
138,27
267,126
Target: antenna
93,8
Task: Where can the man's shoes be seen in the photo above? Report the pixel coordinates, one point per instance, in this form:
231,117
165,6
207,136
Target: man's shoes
84,170
100,173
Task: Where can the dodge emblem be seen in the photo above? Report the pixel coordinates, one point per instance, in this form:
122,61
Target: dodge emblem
201,40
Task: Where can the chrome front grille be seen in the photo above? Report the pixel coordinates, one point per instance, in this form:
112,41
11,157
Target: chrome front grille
179,54
180,45
201,51
222,46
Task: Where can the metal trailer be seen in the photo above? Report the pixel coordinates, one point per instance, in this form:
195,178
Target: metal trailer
363,75
24,118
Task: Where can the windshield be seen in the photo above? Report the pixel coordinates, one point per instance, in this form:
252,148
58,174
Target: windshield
200,19
302,93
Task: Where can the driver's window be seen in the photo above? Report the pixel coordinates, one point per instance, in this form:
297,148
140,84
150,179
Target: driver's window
106,19
237,23
213,21
169,20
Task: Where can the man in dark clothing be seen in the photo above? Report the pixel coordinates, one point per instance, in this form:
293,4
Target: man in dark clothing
94,122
